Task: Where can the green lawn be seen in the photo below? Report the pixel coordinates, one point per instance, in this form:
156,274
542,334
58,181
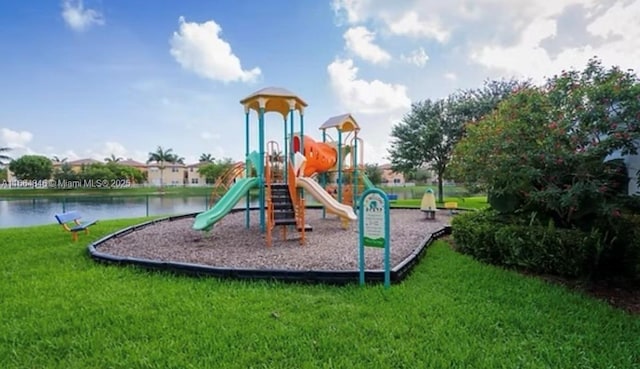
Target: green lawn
60,309
476,202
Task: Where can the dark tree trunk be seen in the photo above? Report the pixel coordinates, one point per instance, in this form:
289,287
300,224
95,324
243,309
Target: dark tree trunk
440,188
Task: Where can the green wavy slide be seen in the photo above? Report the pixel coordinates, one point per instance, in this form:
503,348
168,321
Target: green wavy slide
206,219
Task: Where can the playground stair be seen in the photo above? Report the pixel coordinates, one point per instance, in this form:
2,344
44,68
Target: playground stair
283,212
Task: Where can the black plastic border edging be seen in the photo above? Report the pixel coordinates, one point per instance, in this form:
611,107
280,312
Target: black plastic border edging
398,273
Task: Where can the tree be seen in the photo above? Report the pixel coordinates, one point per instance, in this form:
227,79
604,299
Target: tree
113,159
374,173
58,160
422,175
31,167
206,158
4,174
4,158
65,173
161,157
134,175
473,104
98,172
429,132
276,160
213,171
276,156
177,159
426,136
552,151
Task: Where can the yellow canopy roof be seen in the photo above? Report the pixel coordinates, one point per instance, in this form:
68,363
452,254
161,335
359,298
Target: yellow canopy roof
344,123
276,99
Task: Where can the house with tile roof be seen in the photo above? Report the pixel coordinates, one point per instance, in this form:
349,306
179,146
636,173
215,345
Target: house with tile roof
391,178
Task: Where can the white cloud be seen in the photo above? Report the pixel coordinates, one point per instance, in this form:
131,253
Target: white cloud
351,10
376,153
79,18
527,57
523,38
620,27
410,24
198,47
616,28
115,148
417,57
206,135
70,155
15,139
451,76
360,41
106,149
363,96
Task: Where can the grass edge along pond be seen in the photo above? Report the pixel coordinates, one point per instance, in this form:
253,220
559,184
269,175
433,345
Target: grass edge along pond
60,309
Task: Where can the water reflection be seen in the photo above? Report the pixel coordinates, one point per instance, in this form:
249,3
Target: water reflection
41,210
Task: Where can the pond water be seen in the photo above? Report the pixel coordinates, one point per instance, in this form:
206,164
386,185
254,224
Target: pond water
41,210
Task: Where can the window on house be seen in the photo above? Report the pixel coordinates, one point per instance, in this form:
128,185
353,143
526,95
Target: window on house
194,180
396,180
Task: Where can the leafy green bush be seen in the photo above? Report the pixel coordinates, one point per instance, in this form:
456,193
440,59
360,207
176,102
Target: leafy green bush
558,149
622,257
474,234
487,236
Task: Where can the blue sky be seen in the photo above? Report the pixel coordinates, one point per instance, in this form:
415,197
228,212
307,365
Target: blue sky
99,77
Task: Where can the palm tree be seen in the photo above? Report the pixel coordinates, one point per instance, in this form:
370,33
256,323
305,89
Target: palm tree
4,159
206,158
56,159
276,156
161,157
178,159
113,159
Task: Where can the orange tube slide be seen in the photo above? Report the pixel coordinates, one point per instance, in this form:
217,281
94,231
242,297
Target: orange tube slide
320,156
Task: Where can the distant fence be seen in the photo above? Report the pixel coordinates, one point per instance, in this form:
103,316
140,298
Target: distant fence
416,193
152,204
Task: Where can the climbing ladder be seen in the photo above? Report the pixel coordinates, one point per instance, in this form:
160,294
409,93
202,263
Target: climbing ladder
284,206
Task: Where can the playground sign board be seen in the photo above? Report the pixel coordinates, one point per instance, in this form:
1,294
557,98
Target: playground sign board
374,229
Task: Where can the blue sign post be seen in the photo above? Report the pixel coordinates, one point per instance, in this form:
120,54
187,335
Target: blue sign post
373,222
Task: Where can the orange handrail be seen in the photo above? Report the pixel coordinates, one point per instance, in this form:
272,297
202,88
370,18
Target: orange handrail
291,182
270,210
298,202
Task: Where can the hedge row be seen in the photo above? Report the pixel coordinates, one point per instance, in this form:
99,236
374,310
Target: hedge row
487,236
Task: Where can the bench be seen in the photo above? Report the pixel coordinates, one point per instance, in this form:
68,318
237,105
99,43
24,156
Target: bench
452,206
70,222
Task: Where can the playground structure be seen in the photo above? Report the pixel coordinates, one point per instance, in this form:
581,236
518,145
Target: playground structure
281,180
